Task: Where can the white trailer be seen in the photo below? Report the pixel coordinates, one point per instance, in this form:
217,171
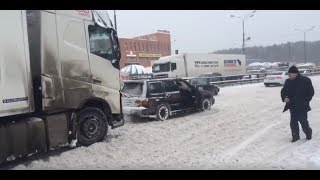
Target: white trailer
60,80
196,64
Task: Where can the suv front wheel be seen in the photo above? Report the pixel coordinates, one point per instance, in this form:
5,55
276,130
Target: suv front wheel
163,112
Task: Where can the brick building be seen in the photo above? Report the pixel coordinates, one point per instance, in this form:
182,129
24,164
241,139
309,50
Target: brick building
144,50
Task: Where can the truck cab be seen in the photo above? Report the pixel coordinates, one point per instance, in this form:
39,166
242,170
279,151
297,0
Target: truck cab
60,80
169,67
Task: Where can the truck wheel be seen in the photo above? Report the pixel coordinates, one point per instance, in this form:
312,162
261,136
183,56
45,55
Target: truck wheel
163,112
205,104
91,126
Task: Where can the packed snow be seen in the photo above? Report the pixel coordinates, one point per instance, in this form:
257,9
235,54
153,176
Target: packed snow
245,129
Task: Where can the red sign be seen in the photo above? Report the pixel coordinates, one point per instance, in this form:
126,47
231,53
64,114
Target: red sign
131,54
232,63
83,12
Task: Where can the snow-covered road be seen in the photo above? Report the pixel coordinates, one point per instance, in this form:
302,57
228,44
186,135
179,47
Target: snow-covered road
246,129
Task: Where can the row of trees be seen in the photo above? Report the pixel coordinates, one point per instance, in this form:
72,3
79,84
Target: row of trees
287,52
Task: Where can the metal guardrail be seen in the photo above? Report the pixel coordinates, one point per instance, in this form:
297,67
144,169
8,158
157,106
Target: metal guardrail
234,82
248,81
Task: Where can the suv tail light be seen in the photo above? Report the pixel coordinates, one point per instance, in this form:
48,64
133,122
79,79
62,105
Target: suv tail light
278,77
142,103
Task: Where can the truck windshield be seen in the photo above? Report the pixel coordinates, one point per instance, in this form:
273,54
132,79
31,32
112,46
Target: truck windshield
161,67
133,89
100,42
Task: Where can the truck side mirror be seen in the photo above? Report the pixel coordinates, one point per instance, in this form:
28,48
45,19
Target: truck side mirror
116,44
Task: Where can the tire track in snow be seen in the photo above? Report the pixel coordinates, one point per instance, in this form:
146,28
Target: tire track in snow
229,154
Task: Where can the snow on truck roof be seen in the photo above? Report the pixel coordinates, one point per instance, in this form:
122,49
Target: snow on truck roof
101,17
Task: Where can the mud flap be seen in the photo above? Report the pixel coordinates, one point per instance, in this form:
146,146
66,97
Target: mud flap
117,124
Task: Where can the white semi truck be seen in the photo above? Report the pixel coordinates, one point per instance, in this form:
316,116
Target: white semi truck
60,80
196,64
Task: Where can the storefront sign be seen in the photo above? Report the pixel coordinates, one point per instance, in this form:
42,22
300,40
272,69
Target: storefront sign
131,54
149,55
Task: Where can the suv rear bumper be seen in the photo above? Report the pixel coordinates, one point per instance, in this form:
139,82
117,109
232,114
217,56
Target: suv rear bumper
139,111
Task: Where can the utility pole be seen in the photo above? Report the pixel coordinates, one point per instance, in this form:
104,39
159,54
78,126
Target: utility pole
305,47
243,38
304,41
243,19
115,19
289,46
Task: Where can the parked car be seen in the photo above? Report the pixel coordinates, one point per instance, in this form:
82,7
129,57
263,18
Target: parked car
204,83
161,98
276,78
305,71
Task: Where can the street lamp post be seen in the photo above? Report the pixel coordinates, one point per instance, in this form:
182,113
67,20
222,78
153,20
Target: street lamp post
173,47
115,19
304,41
243,19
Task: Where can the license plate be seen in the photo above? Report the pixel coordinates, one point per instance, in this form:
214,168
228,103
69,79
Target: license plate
271,78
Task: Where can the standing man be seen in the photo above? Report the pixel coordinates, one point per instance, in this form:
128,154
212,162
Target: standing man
297,92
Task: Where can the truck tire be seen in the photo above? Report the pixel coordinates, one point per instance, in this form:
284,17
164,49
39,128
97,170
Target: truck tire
91,126
163,112
205,104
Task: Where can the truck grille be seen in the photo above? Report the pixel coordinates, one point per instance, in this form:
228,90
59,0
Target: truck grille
160,76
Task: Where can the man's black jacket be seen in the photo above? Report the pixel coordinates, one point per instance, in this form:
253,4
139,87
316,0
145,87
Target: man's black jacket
300,92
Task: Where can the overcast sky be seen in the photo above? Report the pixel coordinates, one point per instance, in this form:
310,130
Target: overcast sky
207,31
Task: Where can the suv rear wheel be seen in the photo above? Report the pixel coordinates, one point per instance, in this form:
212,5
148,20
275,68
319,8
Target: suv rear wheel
163,112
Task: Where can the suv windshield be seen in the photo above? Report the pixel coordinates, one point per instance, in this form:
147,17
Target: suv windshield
161,67
133,88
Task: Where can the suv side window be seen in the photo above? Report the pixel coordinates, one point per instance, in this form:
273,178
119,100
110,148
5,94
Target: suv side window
199,81
155,88
170,86
183,85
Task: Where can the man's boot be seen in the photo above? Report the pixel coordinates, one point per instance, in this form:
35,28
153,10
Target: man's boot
309,135
294,139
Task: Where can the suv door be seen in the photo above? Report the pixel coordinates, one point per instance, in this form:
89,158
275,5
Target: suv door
172,94
187,93
155,90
